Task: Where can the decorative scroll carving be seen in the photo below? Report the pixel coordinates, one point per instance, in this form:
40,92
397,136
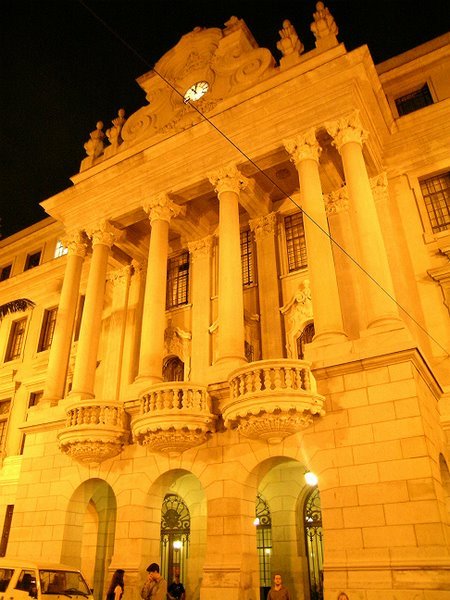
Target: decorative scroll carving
227,179
271,399
264,226
162,208
297,312
303,146
174,417
94,431
347,129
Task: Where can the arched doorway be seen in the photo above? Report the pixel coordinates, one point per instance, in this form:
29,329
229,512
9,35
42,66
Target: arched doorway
312,519
173,369
263,522
175,532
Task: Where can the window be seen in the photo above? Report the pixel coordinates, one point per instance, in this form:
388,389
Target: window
414,101
48,329
33,260
177,280
5,272
6,574
173,369
263,522
306,337
295,242
16,338
248,276
436,195
5,407
60,249
35,397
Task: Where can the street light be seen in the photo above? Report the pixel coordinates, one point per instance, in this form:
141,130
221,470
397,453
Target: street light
311,478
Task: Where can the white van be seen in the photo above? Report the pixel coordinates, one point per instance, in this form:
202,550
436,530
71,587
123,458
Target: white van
24,579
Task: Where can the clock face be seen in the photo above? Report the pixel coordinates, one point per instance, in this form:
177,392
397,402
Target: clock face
196,91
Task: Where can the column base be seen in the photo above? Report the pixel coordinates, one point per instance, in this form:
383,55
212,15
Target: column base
330,336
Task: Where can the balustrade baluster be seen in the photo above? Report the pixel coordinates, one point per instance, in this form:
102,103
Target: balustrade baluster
267,378
257,380
288,378
277,378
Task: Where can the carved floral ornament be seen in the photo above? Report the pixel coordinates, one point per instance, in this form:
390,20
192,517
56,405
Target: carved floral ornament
201,248
76,243
104,233
227,179
264,226
303,146
347,129
161,208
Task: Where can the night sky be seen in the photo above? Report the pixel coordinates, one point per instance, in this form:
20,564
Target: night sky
63,69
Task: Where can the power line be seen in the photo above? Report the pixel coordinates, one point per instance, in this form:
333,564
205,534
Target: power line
251,161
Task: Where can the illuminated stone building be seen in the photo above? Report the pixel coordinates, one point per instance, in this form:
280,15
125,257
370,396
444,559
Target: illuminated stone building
249,279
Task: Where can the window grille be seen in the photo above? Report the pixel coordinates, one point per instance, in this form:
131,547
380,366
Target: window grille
314,543
247,265
5,272
177,280
436,195
175,532
33,260
295,242
16,339
306,337
414,101
263,523
48,329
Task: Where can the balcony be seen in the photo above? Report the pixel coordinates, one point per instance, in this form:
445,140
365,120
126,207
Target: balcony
95,430
272,399
174,417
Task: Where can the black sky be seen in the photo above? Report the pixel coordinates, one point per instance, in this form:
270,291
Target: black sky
62,69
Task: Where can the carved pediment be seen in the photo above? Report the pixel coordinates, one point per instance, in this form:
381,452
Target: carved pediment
228,60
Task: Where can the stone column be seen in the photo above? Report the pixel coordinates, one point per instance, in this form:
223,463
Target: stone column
228,182
160,211
200,252
120,280
58,359
103,237
265,231
377,282
305,152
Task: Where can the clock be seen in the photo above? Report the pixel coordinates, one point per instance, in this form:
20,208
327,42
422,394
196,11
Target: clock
196,91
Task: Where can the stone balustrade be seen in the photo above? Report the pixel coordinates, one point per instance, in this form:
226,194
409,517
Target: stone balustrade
174,417
272,399
95,430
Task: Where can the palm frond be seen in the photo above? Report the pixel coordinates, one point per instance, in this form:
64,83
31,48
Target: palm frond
18,305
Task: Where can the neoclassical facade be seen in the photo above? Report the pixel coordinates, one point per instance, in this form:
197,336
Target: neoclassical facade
247,281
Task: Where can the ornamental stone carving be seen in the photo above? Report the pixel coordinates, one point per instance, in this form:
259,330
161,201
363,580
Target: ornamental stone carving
337,201
95,430
104,233
347,129
76,243
297,312
201,248
272,399
379,185
303,146
227,179
264,226
162,208
174,417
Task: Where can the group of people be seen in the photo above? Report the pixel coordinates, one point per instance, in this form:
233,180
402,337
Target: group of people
155,588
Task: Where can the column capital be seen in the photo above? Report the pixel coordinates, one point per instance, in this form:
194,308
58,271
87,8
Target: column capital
75,242
104,234
162,208
264,226
120,277
303,146
227,179
336,201
347,129
379,185
201,248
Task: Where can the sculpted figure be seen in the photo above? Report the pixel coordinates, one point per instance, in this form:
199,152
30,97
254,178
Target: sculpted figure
297,311
114,133
289,42
94,147
324,24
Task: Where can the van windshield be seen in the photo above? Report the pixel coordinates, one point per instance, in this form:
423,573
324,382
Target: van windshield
68,583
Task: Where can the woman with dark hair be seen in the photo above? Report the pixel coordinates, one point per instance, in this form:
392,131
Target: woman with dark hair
115,591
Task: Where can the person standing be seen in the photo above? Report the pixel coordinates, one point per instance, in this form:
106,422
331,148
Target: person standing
156,586
278,591
116,587
176,590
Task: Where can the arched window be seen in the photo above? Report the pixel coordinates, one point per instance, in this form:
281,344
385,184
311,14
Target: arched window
312,519
175,531
306,337
173,369
263,522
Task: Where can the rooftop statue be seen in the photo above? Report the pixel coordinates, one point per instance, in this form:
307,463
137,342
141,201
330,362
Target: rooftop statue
289,42
114,133
94,147
324,25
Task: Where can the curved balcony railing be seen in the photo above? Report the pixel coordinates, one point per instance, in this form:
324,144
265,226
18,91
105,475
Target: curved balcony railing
95,430
174,417
272,399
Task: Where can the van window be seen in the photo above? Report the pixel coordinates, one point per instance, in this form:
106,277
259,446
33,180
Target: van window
27,583
57,582
5,577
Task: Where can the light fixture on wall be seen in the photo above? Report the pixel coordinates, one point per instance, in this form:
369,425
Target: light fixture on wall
256,521
177,545
311,478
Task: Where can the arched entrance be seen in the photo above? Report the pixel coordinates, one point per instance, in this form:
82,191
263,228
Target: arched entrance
175,532
263,522
312,519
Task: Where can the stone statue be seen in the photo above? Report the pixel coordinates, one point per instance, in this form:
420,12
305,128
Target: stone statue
324,24
94,147
114,133
297,312
289,42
